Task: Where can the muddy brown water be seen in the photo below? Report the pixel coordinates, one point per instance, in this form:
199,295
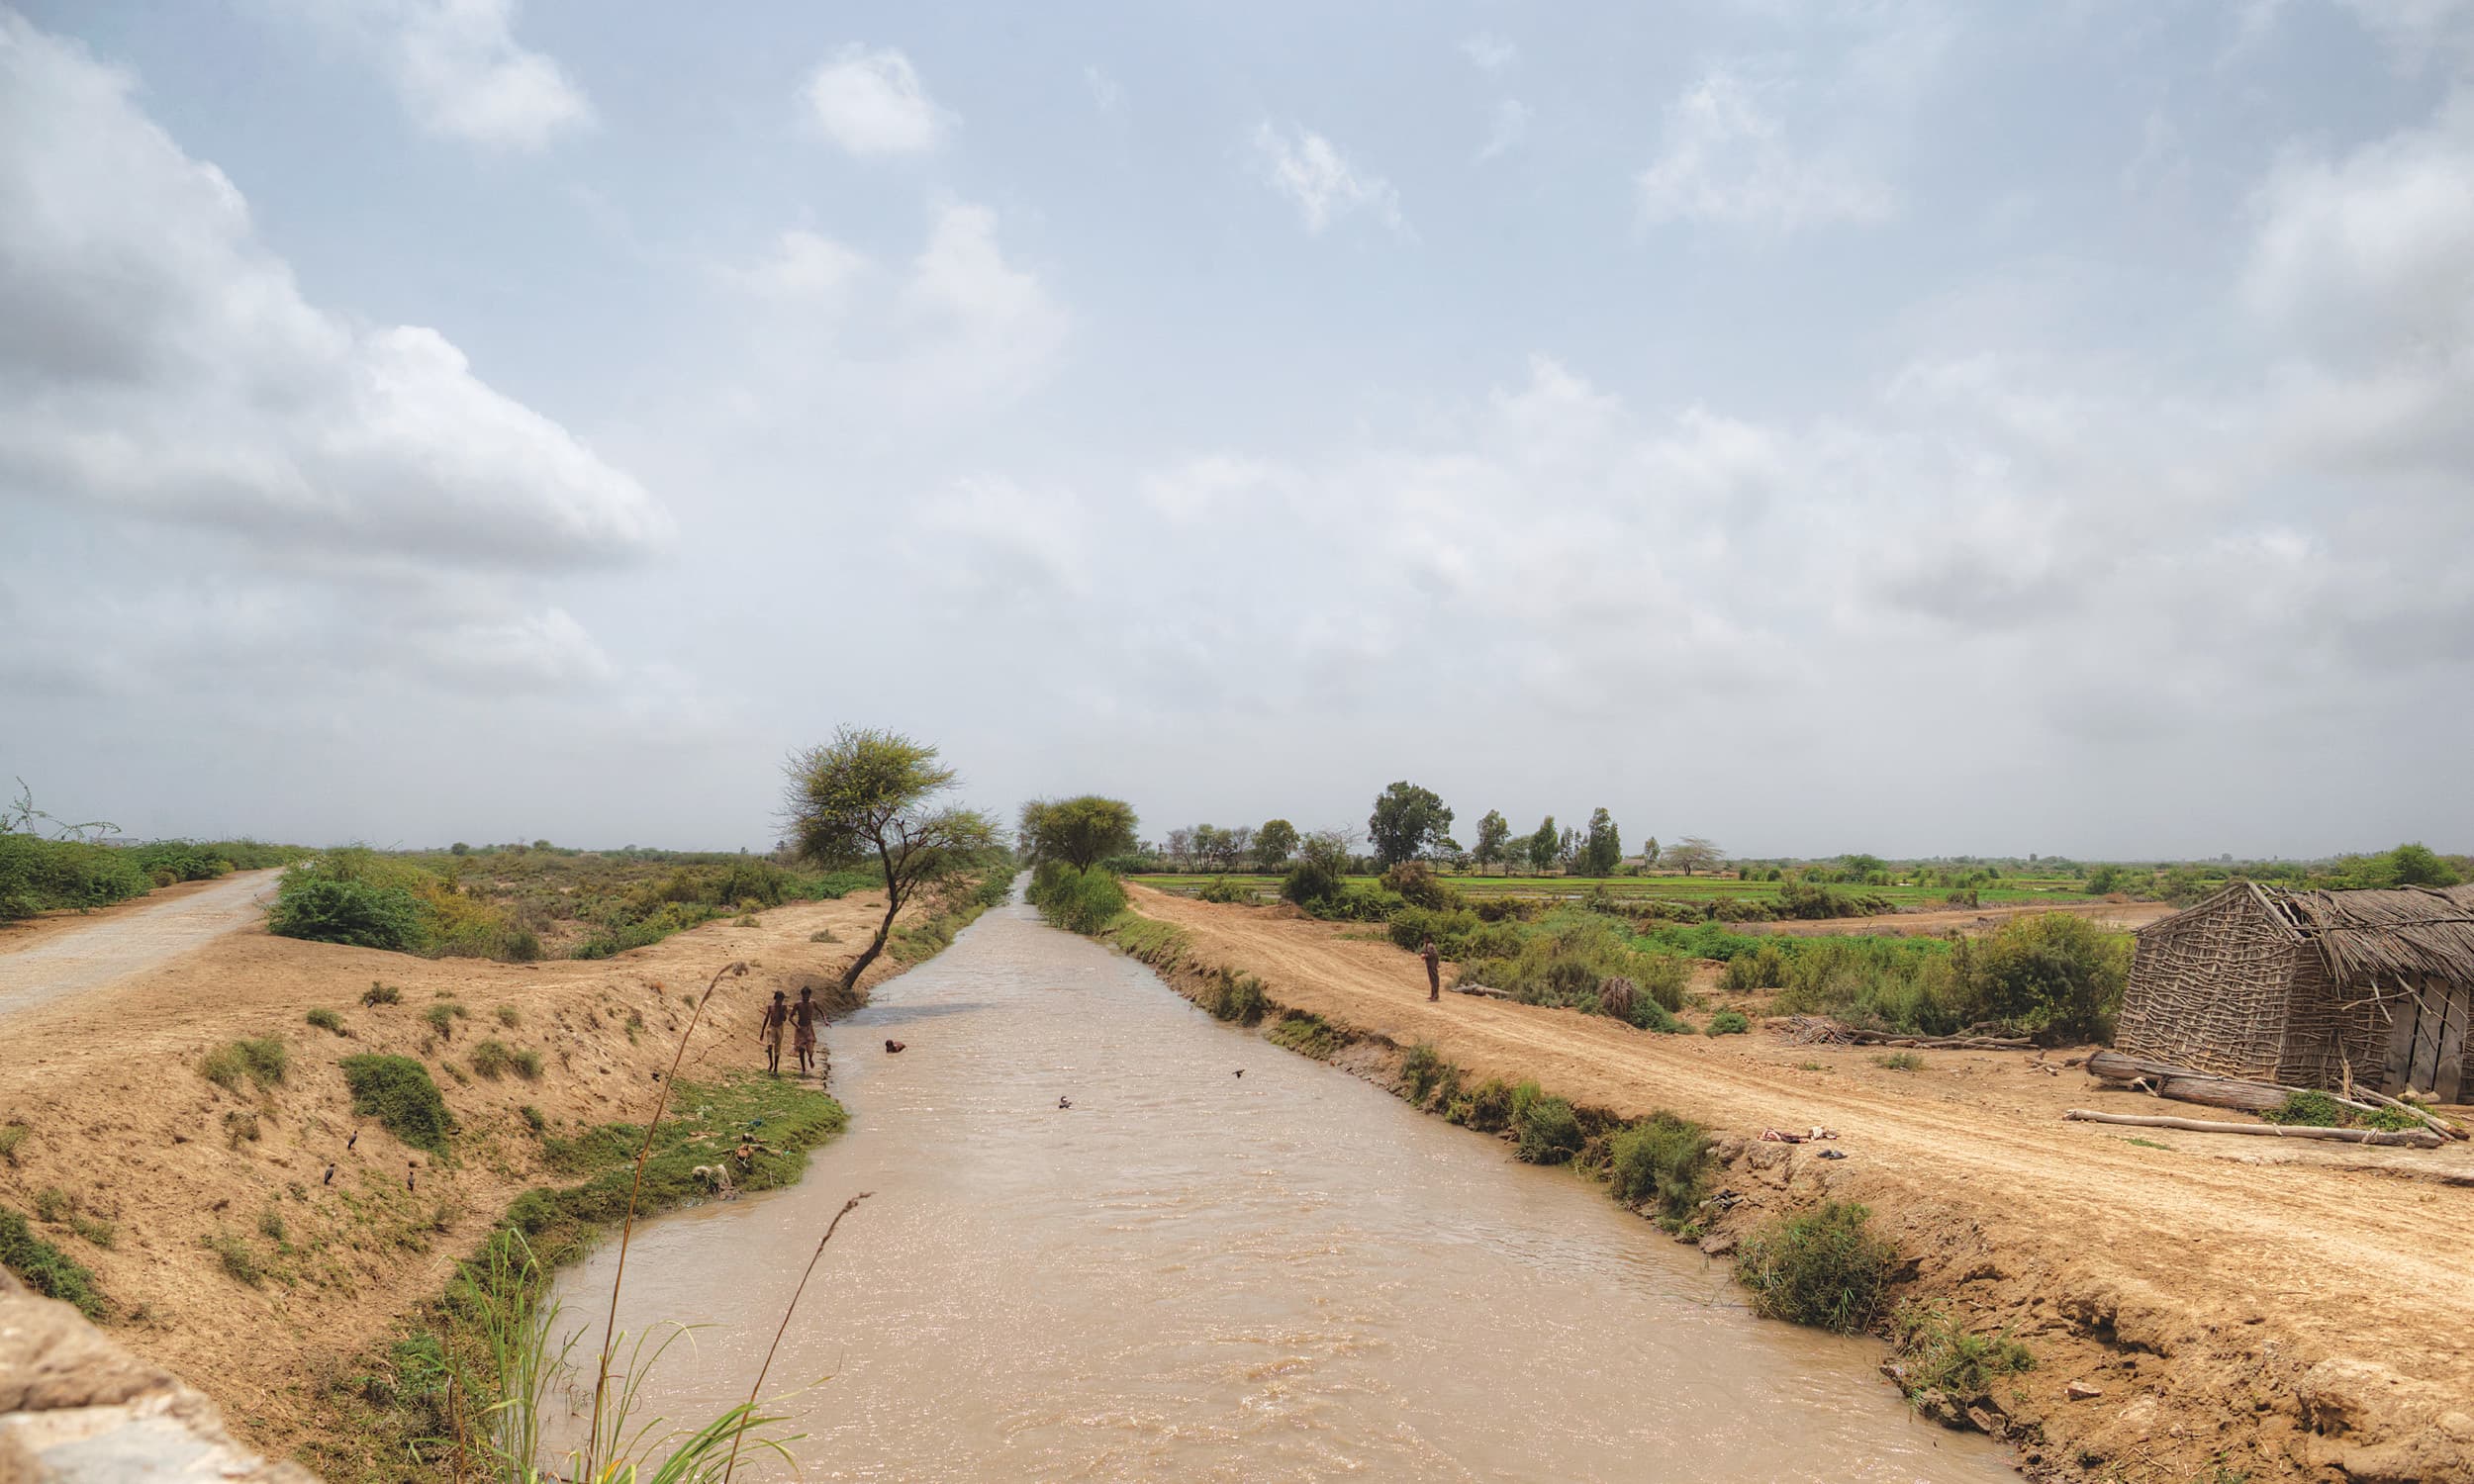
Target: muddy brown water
1192,1275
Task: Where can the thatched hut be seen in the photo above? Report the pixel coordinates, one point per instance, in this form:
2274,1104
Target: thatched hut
2308,988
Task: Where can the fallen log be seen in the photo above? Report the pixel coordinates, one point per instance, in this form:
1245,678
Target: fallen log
2401,1138
2210,1089
1483,991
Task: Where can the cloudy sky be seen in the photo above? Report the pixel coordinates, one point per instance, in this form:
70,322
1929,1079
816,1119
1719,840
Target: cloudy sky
1882,424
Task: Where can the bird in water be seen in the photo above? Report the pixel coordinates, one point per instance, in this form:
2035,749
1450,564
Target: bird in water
1065,1102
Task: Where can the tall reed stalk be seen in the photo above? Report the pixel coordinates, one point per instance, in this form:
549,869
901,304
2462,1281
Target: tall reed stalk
516,1333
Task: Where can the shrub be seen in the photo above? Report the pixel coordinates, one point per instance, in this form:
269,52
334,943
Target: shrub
270,1223
491,1060
224,1068
1905,1061
1487,1107
1823,1268
825,935
2054,977
1459,933
240,1127
527,1064
93,1228
1421,1073
50,1204
442,1017
1231,995
1079,901
1661,1158
323,909
380,994
12,1138
1943,1358
533,1119
1567,957
397,1092
1224,891
1321,872
46,1268
2309,1110
1763,968
1548,1131
326,1020
1415,883
1728,1023
507,1017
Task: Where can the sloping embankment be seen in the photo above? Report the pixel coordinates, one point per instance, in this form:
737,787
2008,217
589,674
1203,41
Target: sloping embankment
2194,1313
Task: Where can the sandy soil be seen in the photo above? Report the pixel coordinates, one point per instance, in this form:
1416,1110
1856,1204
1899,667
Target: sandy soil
70,954
1972,920
122,1123
2292,1311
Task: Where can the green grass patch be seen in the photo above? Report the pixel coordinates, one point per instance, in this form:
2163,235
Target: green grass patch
1904,1060
1545,1129
1824,1268
239,1259
1307,1035
1941,1355
12,1139
381,994
1661,1158
326,1020
260,1059
46,1268
1728,1023
1230,995
397,1092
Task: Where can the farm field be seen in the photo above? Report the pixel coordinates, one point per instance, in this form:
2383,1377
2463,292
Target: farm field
1691,889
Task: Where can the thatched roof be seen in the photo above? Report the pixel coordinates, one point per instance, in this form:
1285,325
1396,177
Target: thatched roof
2373,937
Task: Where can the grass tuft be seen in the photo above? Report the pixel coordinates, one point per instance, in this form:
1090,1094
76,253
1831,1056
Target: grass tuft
397,1092
46,1268
326,1020
1823,1267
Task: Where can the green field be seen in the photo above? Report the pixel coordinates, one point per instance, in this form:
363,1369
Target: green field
1693,889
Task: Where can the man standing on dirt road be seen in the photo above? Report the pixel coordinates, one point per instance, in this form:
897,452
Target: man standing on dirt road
804,1023
777,1015
1434,970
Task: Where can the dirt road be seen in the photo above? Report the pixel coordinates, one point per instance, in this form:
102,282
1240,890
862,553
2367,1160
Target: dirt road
69,955
2193,1284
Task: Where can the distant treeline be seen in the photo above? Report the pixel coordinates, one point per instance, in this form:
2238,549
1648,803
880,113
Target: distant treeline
49,865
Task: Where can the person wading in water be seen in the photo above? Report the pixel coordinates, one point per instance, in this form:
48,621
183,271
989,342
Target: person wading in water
777,1015
803,1022
1434,970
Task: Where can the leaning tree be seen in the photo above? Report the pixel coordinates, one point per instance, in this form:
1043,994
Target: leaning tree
871,798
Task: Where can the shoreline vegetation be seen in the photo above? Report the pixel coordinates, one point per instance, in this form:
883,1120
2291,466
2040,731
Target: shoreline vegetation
1826,1268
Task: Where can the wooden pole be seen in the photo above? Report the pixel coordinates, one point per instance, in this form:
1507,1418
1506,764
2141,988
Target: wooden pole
2401,1138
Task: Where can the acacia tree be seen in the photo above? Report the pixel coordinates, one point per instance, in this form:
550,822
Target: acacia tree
1604,847
1407,822
1493,833
1082,832
870,797
1274,844
1181,848
1693,853
1543,843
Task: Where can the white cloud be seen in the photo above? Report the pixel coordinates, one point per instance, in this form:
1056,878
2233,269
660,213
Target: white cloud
957,328
1309,170
459,70
871,103
163,363
1489,51
1726,160
1104,90
1508,126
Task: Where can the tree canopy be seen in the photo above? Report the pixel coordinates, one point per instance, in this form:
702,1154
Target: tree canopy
1408,821
869,797
1693,853
1493,834
1080,831
1603,847
1274,844
1544,842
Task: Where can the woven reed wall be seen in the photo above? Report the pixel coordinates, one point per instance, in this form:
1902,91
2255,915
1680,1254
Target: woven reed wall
2212,989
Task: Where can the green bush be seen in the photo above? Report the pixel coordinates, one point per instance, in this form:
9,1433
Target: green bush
323,909
397,1092
1230,995
527,1064
1422,1073
2054,976
326,1020
1546,1128
1661,1158
1941,1356
1823,1268
491,1060
1763,968
1487,1107
1728,1023
46,1268
1564,957
42,876
1310,1035
237,1256
1223,890
381,994
1079,901
1321,872
1415,883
